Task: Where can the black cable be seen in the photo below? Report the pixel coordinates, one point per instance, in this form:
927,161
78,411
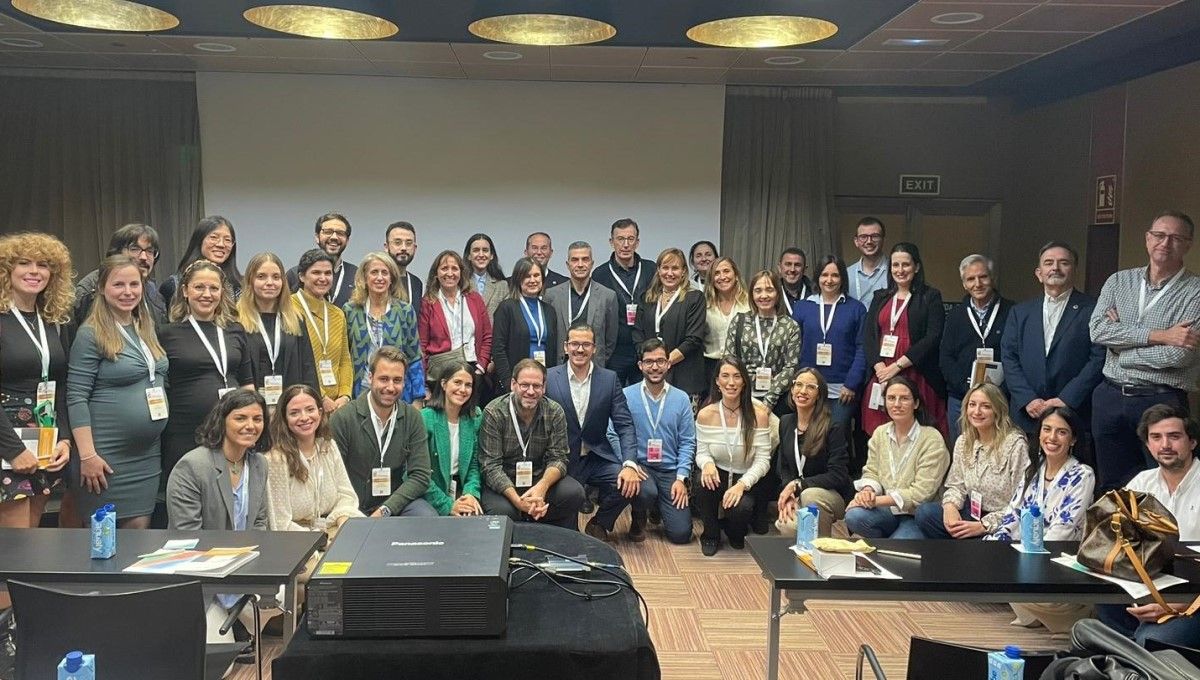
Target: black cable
541,570
627,582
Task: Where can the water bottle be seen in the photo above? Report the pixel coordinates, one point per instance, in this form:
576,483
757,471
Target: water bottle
1006,665
1032,528
806,526
77,666
104,532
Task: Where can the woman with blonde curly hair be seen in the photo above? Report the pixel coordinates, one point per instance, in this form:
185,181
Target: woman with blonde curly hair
36,298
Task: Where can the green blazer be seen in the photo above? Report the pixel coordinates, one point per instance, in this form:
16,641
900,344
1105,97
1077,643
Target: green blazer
438,431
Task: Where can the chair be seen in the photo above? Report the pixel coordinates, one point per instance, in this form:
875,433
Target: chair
144,633
929,659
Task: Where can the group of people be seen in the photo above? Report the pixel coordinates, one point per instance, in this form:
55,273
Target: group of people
293,399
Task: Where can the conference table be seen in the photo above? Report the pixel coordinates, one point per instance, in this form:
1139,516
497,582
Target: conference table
948,571
62,557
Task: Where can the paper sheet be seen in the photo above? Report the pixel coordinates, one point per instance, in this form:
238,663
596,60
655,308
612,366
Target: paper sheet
1135,589
1020,547
883,573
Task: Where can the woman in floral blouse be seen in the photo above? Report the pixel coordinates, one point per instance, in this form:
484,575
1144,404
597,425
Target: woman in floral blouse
767,341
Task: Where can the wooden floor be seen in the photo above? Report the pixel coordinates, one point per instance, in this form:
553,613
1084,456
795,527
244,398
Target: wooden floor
708,620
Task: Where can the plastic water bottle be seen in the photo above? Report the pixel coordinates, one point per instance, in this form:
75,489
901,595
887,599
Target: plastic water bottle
806,526
104,532
77,666
1006,665
1032,528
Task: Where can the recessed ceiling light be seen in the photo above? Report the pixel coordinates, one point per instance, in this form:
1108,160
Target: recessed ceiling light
19,42
762,31
783,61
313,21
542,29
916,42
956,18
502,55
107,15
214,47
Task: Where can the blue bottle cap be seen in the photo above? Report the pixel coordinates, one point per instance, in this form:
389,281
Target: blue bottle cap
100,513
1012,652
812,507
109,507
1035,511
74,661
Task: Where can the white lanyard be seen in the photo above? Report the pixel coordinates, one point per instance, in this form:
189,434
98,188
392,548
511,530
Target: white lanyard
147,356
43,347
800,460
897,312
1143,306
373,325
539,324
787,301
908,446
337,287
221,362
729,443
517,426
826,325
408,286
662,401
983,332
308,312
460,301
660,311
572,315
382,442
320,476
636,277
763,343
272,351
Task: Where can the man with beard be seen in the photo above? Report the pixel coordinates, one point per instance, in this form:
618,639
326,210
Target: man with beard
796,286
869,274
539,249
584,302
400,239
332,235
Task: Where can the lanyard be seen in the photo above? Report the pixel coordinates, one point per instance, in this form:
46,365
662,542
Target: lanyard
320,477
517,427
662,401
337,287
308,312
375,327
539,324
459,301
826,325
272,351
897,312
660,312
572,315
636,277
220,362
43,347
390,428
763,343
800,460
729,443
408,286
1143,306
908,446
147,356
983,332
787,301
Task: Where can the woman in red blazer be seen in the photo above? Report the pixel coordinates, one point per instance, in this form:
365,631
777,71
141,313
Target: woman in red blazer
453,322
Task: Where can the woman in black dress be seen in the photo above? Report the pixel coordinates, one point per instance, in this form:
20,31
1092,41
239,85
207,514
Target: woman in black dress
280,350
214,240
208,355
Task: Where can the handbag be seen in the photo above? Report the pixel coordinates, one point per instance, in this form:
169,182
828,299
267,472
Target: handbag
437,363
1101,653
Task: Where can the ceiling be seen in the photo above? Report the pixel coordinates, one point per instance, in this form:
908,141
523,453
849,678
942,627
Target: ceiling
956,46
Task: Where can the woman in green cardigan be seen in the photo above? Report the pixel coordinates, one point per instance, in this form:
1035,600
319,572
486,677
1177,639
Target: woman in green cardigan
452,422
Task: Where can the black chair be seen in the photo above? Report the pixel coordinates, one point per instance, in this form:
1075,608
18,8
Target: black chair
929,659
144,633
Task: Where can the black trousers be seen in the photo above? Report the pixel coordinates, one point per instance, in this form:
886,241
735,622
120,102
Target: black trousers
1119,453
565,499
708,508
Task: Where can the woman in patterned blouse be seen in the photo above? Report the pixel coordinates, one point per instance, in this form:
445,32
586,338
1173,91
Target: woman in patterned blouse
767,341
377,315
989,463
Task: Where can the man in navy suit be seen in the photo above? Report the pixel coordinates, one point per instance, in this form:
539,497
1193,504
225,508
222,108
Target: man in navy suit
1047,353
591,396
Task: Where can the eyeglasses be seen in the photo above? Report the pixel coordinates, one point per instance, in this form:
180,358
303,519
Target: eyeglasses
530,387
402,242
215,238
625,240
335,232
868,237
805,387
1175,239
654,362
136,251
573,346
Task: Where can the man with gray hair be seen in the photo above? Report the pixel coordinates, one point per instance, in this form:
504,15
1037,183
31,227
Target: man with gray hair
972,333
579,300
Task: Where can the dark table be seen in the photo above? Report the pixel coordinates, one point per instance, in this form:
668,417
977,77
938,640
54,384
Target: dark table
550,635
948,571
61,556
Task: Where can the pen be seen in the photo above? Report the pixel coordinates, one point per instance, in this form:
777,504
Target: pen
897,553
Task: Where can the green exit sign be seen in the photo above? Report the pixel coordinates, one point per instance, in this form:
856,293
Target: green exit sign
920,185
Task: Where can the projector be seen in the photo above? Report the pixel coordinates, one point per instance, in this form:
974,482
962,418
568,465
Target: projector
412,577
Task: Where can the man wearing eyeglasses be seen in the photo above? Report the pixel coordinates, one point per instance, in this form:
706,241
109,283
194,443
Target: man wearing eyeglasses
400,239
629,276
1147,319
869,274
591,396
139,241
332,235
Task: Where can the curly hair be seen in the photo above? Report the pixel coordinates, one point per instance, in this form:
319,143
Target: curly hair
56,302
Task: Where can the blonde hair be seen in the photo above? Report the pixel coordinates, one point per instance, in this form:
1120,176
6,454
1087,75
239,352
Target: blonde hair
109,338
55,302
285,308
740,295
655,291
226,311
1004,421
361,295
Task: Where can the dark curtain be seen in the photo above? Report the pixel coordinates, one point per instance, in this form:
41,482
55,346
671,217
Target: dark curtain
777,175
81,157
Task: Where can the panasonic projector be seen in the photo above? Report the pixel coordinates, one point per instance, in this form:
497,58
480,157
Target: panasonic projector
412,577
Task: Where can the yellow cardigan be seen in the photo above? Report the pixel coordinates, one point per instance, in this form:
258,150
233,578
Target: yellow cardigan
338,348
917,477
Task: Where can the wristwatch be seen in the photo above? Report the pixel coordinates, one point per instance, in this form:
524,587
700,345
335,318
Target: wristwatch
385,511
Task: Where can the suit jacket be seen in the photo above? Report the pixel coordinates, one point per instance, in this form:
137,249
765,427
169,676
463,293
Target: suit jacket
550,278
602,315
407,454
1071,369
683,328
510,339
493,294
199,494
606,400
926,317
438,430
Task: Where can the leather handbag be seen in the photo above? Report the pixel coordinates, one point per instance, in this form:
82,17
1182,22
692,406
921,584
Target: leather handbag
438,363
1101,653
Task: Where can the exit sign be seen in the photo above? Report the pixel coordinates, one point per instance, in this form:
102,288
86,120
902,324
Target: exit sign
920,185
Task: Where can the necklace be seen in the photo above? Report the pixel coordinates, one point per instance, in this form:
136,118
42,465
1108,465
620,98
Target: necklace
235,467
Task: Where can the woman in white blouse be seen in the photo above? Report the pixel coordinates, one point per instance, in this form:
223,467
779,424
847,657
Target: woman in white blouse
988,466
725,296
733,452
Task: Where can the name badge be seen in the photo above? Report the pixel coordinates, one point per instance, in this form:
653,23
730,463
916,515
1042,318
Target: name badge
887,348
524,474
876,400
985,354
224,390
454,489
46,391
654,450
630,314
976,505
381,481
824,354
762,378
156,400
539,355
272,389
325,368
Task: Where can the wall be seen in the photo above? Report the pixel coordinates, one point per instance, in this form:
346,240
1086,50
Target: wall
456,157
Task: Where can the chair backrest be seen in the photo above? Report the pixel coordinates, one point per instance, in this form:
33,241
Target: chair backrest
146,633
929,659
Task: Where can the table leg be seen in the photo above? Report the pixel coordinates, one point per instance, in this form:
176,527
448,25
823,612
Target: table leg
290,609
773,635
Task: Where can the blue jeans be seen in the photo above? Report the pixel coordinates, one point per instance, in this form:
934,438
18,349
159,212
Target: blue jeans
930,519
881,523
592,470
418,507
842,413
953,409
1183,631
656,489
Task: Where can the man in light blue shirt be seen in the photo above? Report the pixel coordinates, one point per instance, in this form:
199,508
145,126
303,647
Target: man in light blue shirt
666,445
869,274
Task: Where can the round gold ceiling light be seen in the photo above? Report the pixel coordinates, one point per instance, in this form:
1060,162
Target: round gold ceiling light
762,31
106,15
542,29
312,21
